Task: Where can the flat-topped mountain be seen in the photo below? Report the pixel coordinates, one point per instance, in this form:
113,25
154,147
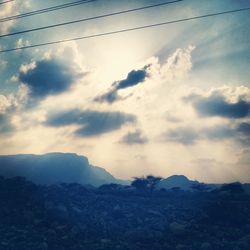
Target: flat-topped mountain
53,168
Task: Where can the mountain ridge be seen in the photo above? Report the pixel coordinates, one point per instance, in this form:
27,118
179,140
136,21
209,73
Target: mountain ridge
67,167
71,167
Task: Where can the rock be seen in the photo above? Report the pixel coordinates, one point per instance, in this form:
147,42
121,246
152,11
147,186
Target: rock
154,213
51,234
105,241
43,246
52,218
244,242
177,228
59,212
181,247
74,231
117,207
137,235
206,246
76,210
159,226
4,243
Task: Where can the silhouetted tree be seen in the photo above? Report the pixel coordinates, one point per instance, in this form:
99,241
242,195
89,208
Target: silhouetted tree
110,187
139,183
201,187
147,183
152,182
234,187
176,189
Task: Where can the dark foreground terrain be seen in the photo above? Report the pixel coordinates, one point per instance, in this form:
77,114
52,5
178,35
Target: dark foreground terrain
71,216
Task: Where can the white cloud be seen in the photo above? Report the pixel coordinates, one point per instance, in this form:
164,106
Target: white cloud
7,10
178,64
14,102
22,43
24,68
231,94
12,9
3,64
5,103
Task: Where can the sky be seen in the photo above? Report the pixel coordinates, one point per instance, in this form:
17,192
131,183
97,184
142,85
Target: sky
173,99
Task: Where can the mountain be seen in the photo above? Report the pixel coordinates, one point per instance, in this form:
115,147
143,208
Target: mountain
55,168
180,181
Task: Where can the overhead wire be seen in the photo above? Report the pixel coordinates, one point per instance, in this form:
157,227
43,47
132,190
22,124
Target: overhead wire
127,30
89,18
7,1
45,10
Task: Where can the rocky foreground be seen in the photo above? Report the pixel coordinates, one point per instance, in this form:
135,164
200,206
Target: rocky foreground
72,216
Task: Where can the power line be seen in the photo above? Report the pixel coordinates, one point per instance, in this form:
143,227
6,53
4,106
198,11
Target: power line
89,18
45,10
126,30
8,1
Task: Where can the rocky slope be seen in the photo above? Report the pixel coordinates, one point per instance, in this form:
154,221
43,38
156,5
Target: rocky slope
70,216
55,168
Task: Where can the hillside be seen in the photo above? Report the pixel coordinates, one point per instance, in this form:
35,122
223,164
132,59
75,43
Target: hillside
72,217
55,168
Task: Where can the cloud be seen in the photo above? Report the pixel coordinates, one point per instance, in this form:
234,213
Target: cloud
92,123
244,128
172,118
22,43
133,78
219,132
11,9
224,102
108,97
13,102
178,64
188,135
3,64
175,67
5,103
135,137
47,77
183,135
7,10
10,106
5,124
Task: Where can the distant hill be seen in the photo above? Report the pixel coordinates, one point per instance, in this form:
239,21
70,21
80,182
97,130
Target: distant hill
182,182
179,181
55,168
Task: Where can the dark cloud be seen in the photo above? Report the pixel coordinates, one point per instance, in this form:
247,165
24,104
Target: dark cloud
5,124
48,77
133,78
134,138
217,105
91,122
187,135
108,97
183,135
244,128
219,132
172,118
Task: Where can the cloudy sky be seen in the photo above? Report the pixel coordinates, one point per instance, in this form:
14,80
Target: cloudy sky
174,99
